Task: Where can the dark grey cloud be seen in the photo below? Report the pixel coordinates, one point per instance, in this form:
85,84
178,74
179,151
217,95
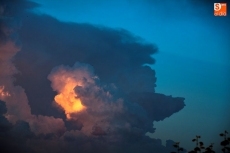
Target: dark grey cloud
9,14
118,91
4,123
16,100
13,137
114,54
158,106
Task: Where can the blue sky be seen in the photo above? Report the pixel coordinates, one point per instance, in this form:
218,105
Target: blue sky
192,62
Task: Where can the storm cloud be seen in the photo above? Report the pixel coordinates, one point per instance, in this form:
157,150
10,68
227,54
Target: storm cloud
111,88
14,96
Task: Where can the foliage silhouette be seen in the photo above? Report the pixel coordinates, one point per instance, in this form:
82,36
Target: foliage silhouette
177,146
200,148
225,142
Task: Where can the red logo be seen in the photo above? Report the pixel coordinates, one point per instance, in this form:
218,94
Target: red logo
220,9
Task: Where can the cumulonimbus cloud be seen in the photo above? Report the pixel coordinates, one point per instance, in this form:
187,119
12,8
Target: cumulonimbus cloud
108,102
16,100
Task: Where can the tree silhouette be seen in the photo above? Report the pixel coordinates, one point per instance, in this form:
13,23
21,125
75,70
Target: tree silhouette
199,145
199,148
177,146
225,142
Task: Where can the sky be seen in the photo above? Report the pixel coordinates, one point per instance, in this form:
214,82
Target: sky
183,43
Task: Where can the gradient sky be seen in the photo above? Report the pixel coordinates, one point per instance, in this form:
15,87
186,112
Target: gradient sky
192,62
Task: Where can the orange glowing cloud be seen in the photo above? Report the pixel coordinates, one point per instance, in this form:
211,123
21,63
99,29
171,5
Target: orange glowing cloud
64,79
3,93
67,98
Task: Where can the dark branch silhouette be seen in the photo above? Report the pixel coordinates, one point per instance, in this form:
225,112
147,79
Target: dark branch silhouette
200,148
